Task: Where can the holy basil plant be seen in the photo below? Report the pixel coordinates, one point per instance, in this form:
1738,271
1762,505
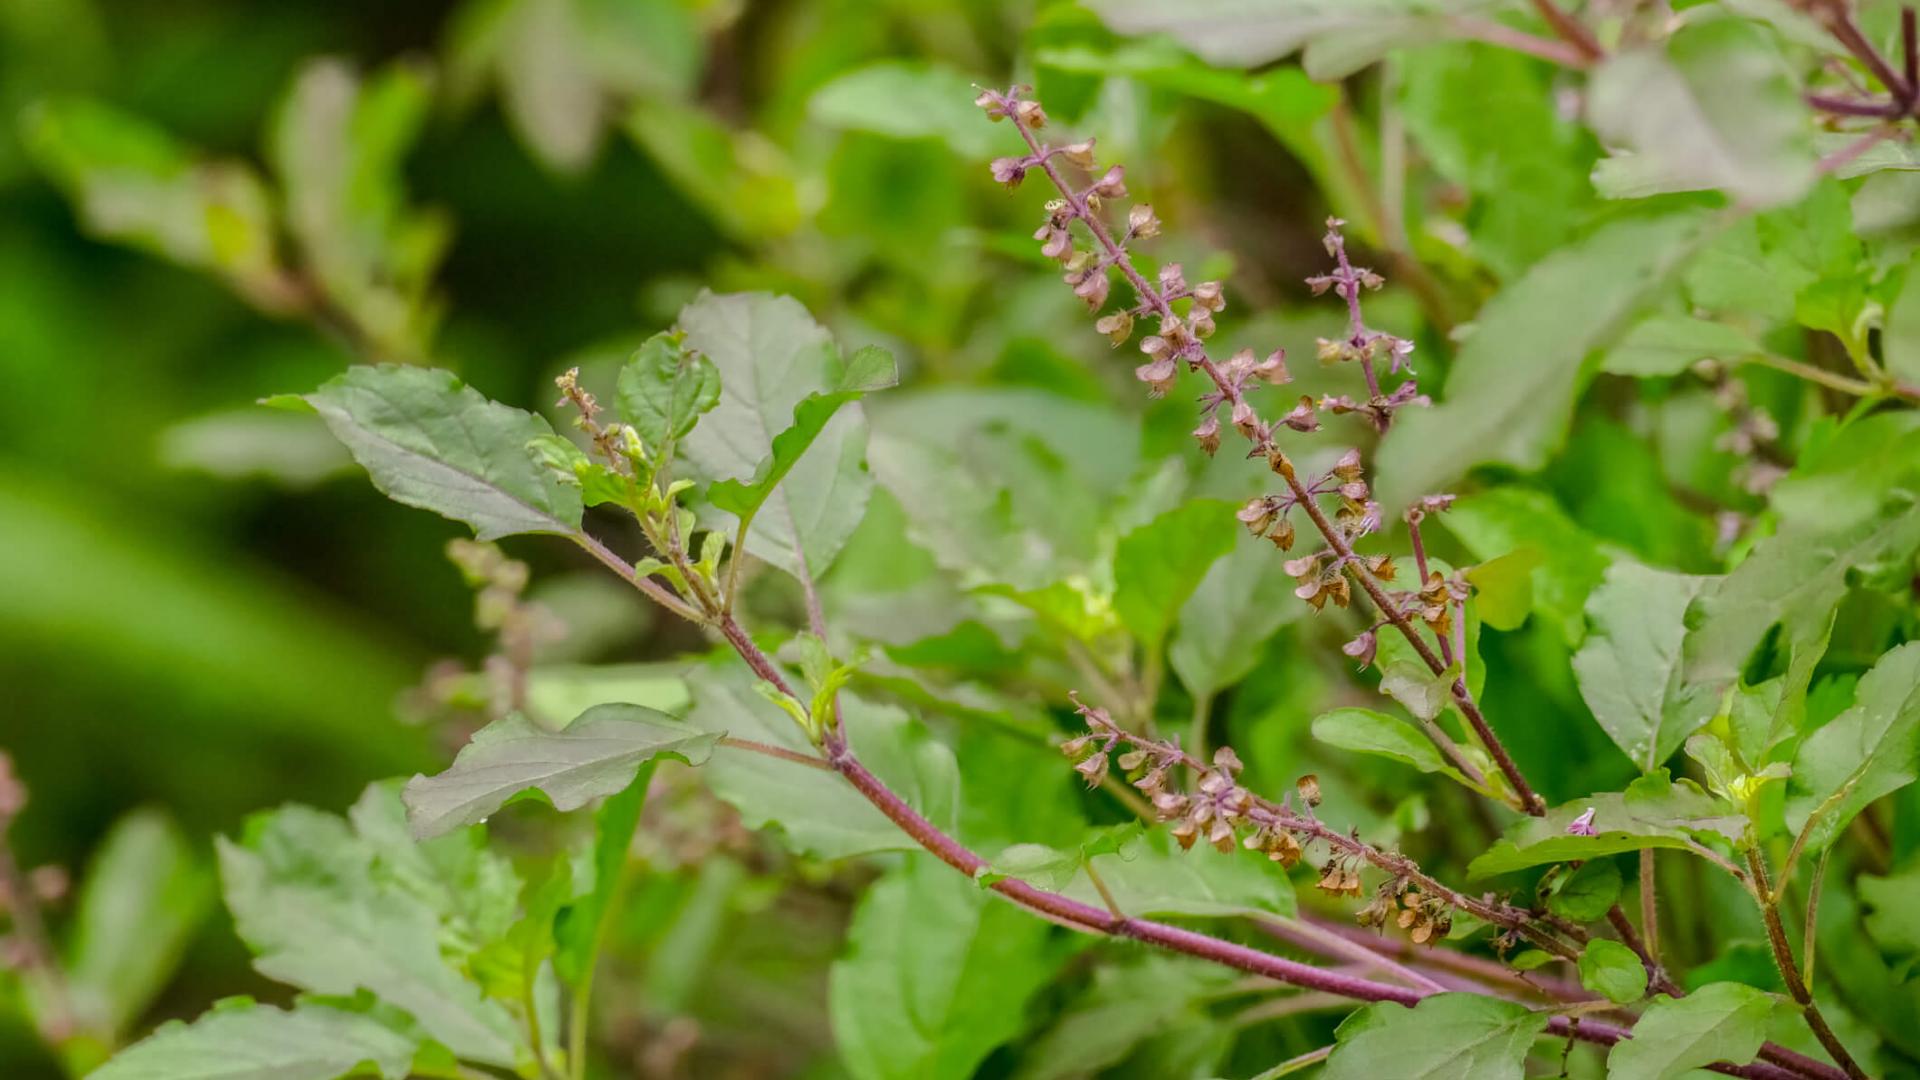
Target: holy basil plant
1558,715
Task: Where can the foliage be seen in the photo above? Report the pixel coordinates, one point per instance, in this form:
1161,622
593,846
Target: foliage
876,681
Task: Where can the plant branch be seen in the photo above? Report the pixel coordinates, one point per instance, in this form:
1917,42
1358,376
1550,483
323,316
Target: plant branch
1649,906
1260,434
1076,915
1506,37
1570,30
1790,971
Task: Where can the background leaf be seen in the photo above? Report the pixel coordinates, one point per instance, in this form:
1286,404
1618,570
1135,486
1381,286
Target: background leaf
1513,385
937,973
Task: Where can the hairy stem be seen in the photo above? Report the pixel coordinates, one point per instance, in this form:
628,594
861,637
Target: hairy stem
1790,971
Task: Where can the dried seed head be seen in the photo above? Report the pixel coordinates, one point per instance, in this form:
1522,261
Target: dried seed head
1303,566
1029,114
1010,170
1080,153
993,103
1224,758
1207,434
1201,323
1093,289
1239,366
1309,788
1362,648
1221,836
1057,243
1209,296
1282,535
1077,747
1142,222
1244,418
1094,769
1302,417
1285,849
1112,184
1118,327
1274,368
1172,278
1257,514
1159,375
1157,347
1349,467
1185,832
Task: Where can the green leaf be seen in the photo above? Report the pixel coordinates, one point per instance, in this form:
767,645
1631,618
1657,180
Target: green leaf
1501,520
1157,566
937,973
1407,679
594,756
1367,732
580,928
1719,1022
664,390
1794,579
1223,628
1613,971
1653,812
133,183
991,502
814,811
1668,344
1126,1005
1511,389
144,895
1849,474
1715,107
1504,587
430,441
1894,903
1588,892
338,145
239,1040
909,100
511,965
771,356
564,65
1871,750
321,910
1284,100
810,417
1339,36
1900,336
1630,664
1444,1037
1485,118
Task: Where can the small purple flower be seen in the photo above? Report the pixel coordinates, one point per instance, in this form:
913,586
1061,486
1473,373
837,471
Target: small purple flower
1583,825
